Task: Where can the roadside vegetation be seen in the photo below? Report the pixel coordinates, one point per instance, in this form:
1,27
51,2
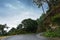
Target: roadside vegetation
27,26
49,21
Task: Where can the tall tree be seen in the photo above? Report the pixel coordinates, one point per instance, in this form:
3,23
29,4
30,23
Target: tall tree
30,25
39,3
49,2
2,29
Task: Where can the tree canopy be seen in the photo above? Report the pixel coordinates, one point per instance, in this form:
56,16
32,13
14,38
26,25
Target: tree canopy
30,25
19,26
50,3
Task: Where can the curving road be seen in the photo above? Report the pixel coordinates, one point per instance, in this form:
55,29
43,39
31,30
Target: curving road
26,37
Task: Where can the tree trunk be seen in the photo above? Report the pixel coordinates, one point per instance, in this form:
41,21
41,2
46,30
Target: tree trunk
43,9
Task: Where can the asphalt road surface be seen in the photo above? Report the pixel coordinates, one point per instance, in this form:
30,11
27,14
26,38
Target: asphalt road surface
26,37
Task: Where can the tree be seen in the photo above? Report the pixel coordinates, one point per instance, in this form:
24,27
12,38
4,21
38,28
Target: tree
19,26
40,4
12,31
40,21
49,2
2,29
30,25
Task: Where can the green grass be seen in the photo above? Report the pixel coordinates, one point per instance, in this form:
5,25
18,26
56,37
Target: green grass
52,33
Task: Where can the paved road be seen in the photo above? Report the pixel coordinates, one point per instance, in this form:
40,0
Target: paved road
25,37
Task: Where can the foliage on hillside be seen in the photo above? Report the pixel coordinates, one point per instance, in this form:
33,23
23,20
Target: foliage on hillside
56,19
31,26
52,16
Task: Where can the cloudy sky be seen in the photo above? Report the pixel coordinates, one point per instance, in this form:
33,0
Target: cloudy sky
12,12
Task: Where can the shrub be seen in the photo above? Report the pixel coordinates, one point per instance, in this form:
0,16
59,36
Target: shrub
56,19
52,33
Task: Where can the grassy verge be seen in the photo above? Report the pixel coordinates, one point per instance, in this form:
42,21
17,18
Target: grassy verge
2,37
52,34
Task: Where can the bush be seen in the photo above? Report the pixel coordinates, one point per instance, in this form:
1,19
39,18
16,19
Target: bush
21,32
52,33
56,19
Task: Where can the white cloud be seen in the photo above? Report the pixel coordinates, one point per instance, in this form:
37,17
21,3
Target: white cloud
15,19
18,12
10,6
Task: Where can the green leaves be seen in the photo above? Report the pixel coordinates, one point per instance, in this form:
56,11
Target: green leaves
56,19
30,25
19,26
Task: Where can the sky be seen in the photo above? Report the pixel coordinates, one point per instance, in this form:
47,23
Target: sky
12,12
